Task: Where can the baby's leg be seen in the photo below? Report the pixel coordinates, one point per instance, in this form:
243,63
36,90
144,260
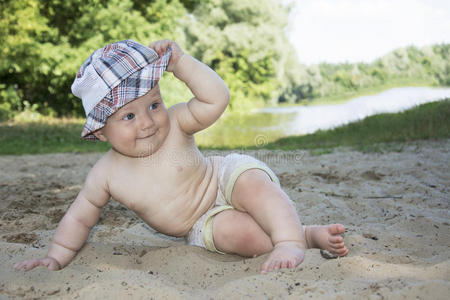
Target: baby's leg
255,193
238,233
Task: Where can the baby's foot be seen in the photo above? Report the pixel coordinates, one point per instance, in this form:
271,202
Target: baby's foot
287,254
327,237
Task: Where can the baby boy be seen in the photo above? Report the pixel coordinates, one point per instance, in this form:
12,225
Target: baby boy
232,204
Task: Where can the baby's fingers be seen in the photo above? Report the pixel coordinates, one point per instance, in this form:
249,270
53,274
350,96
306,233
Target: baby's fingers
160,46
18,266
28,264
23,264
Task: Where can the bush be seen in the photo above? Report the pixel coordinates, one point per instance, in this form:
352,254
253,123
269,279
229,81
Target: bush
10,102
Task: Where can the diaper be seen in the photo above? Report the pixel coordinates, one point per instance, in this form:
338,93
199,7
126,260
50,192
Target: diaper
229,169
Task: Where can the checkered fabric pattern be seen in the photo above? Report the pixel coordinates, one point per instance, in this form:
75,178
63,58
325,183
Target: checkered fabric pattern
114,76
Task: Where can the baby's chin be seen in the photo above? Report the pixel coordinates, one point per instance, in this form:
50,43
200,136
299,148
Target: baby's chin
131,153
143,152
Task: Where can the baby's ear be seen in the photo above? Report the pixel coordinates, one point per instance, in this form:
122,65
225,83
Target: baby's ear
99,134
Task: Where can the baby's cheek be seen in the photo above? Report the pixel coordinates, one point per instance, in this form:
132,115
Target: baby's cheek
164,121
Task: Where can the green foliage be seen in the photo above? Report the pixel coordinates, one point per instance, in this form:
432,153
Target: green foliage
245,43
428,64
10,102
45,41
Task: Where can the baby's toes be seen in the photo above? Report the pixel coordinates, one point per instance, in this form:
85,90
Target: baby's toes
269,266
265,268
293,263
275,265
285,264
335,239
337,246
336,229
341,251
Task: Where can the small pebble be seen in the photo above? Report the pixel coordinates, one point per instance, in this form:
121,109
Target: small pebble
370,236
327,254
54,292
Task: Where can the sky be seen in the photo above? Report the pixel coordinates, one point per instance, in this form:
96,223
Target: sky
337,31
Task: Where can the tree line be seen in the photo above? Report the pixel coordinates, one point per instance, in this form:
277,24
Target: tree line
430,64
245,42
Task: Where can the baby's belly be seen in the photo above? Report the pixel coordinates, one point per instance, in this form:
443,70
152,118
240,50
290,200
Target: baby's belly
177,216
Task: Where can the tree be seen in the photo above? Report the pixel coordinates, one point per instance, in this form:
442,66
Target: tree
45,42
245,42
22,32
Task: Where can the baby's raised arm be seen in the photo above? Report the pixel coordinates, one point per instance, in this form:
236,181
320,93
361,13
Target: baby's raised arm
76,224
210,91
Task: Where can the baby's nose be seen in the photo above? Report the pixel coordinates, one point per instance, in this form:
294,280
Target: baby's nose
146,121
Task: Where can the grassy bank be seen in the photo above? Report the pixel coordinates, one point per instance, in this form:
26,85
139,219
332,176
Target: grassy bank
49,136
427,121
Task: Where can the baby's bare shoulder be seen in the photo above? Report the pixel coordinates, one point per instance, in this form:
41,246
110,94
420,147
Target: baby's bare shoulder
182,118
97,178
175,112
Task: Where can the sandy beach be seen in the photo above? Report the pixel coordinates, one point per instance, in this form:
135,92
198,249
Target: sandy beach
395,206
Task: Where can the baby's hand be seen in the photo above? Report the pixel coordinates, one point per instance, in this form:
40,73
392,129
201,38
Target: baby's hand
161,47
49,262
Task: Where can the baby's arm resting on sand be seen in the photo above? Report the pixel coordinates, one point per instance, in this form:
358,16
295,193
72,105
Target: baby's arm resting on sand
210,91
75,226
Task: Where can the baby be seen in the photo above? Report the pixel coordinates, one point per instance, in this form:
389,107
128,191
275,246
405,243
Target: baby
232,204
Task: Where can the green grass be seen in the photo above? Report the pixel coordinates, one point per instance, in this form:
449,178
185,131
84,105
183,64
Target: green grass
46,137
427,121
424,122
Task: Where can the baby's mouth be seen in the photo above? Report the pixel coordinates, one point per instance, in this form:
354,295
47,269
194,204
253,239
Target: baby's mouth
147,136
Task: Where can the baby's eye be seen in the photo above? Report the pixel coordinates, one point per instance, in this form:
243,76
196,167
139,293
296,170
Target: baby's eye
154,106
129,116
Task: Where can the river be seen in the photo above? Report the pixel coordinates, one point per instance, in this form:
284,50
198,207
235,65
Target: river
271,123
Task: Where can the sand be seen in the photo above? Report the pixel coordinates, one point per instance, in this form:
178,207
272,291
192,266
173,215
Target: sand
395,206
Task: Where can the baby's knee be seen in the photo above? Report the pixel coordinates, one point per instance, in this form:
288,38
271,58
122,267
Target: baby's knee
252,240
253,177
249,185
242,235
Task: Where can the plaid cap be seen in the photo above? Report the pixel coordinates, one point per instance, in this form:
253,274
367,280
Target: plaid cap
114,76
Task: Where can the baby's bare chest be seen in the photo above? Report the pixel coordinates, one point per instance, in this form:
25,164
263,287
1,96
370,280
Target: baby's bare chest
156,186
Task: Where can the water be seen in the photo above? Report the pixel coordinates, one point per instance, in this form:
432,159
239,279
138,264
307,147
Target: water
272,123
309,119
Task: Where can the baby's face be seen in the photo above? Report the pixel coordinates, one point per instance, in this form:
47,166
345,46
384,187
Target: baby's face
140,127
